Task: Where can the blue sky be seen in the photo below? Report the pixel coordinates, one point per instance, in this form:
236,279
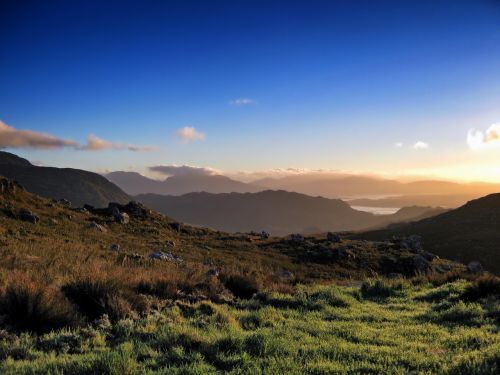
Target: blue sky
330,84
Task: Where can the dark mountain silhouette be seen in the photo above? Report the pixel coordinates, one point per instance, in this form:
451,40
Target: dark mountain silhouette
278,212
76,185
344,186
470,232
134,184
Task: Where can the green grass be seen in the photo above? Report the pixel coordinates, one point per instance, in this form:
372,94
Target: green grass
319,330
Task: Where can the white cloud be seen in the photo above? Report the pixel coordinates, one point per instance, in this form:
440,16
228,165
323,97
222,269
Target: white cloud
189,134
183,170
398,144
420,145
11,137
242,101
477,139
95,143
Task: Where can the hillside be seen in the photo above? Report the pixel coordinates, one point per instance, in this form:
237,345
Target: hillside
78,186
349,186
277,212
134,184
434,200
468,233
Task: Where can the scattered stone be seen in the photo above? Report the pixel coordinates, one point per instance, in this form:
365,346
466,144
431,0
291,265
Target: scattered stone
165,256
115,247
26,215
285,276
82,210
429,256
122,218
412,243
333,237
64,202
264,235
474,267
419,263
297,238
98,227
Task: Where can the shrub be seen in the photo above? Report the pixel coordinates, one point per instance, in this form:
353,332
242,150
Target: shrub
28,307
95,298
167,289
461,313
484,286
241,286
379,288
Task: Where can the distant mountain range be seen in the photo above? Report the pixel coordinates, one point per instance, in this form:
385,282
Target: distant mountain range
471,232
278,212
443,200
75,185
134,183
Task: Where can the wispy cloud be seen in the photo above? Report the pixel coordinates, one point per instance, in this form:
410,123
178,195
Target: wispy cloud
189,134
477,139
420,145
398,144
182,170
242,101
11,137
95,143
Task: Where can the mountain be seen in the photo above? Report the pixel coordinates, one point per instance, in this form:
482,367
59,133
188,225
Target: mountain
134,183
349,186
470,232
278,212
77,186
442,200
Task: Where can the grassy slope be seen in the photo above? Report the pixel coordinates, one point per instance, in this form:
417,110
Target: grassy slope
320,330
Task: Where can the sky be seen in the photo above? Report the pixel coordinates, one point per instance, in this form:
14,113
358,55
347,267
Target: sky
396,88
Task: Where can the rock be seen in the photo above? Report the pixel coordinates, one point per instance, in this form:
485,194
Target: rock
412,243
169,257
285,276
26,215
429,256
53,221
170,244
134,209
333,237
115,247
297,238
64,202
82,210
474,267
122,218
419,263
264,235
211,273
99,227
177,226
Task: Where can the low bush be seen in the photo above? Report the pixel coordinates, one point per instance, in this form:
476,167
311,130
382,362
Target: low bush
28,307
95,298
380,288
242,286
484,286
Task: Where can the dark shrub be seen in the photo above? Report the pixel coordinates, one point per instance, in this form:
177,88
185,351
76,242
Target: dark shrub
241,286
95,298
28,307
167,289
378,288
484,286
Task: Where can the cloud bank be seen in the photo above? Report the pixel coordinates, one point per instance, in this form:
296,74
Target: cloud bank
189,134
11,137
477,139
182,170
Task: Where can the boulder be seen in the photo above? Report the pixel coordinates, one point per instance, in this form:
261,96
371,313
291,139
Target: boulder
412,243
26,215
64,202
333,237
264,235
122,218
165,256
99,227
115,247
429,256
297,238
419,263
474,267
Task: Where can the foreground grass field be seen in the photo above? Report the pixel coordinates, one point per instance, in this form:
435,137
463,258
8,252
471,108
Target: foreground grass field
382,327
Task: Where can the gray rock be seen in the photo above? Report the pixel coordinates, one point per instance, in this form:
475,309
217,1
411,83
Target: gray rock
64,202
115,247
264,235
412,243
165,256
99,227
297,237
26,215
122,218
333,237
419,263
474,267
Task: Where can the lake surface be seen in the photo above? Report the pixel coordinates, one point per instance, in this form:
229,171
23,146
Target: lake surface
377,210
